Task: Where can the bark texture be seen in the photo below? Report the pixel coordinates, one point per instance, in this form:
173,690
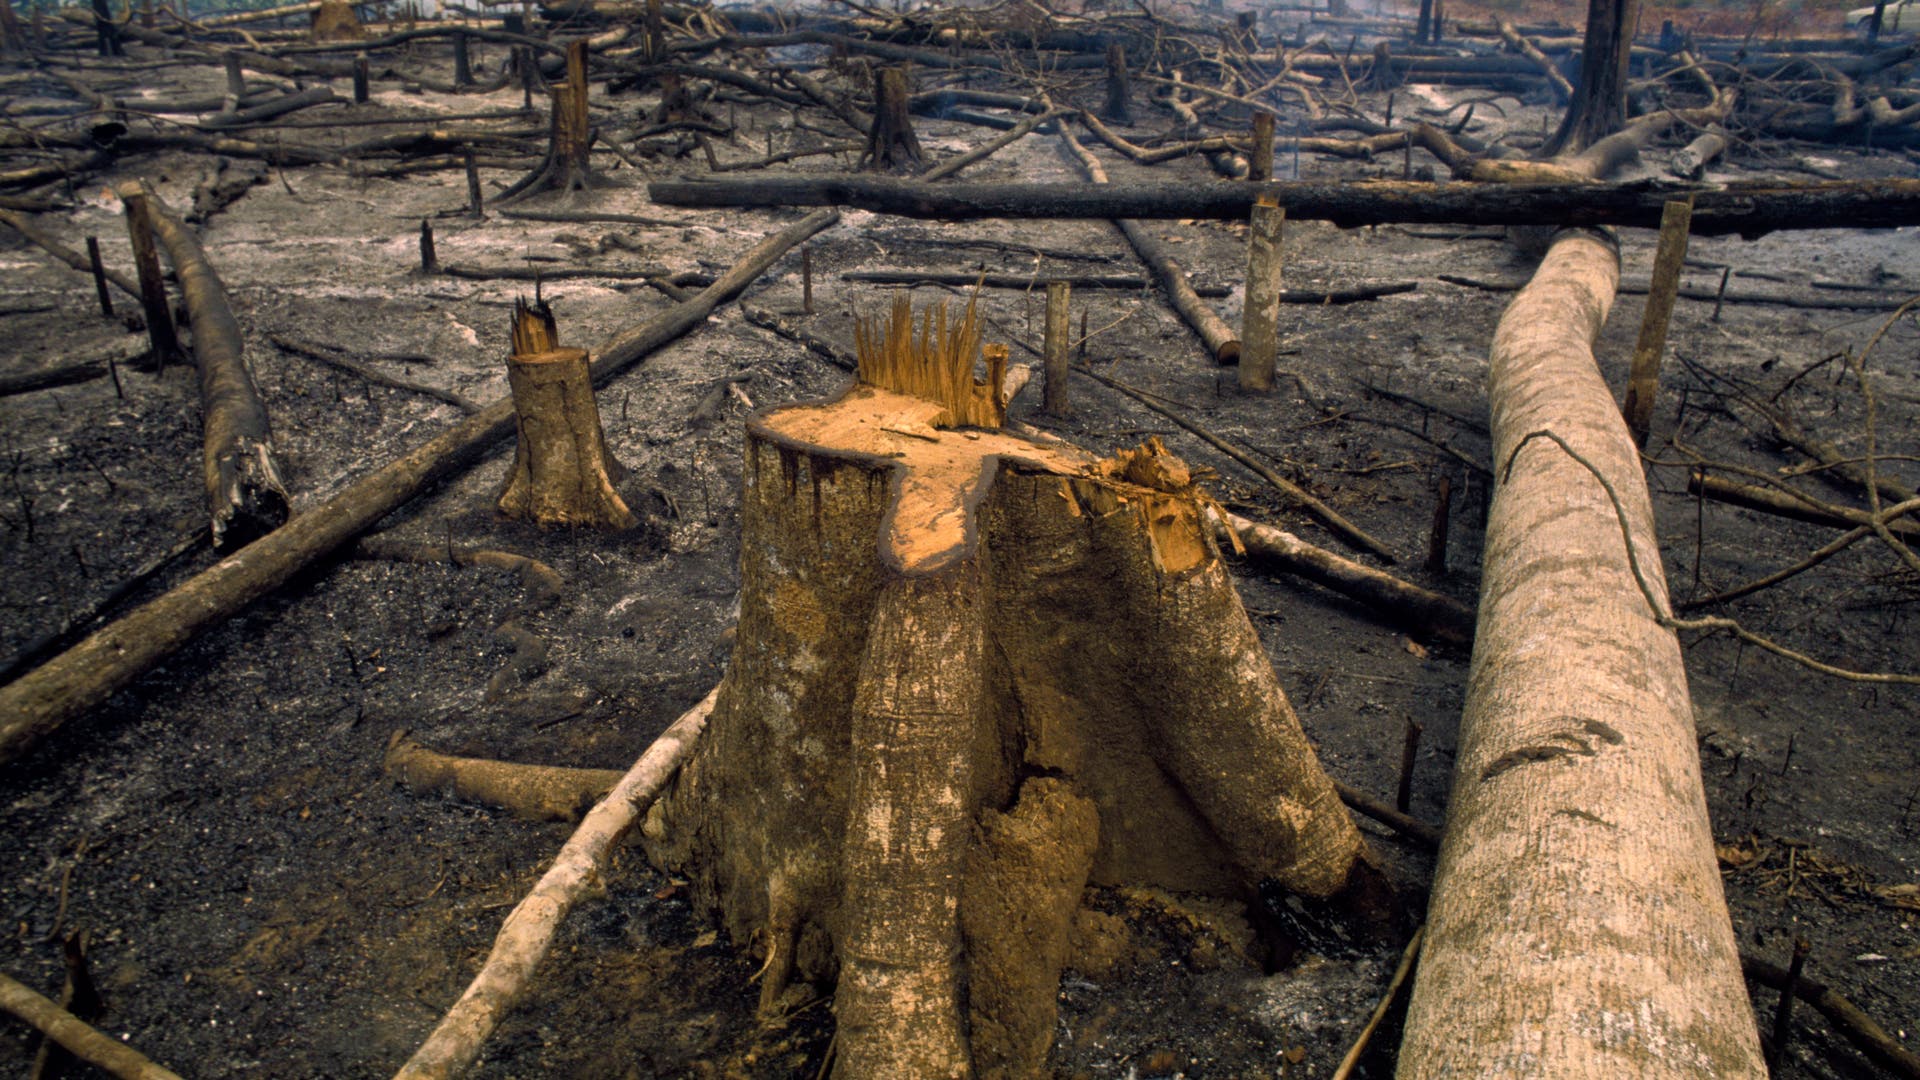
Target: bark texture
928,739
1577,926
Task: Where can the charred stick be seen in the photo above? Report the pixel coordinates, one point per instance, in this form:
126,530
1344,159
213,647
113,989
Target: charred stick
153,289
376,376
99,272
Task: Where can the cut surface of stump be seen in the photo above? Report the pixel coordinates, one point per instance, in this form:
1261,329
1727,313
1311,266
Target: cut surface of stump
974,672
562,472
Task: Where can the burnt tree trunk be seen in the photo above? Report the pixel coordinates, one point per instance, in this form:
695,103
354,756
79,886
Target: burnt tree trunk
890,140
1599,106
567,167
562,472
929,736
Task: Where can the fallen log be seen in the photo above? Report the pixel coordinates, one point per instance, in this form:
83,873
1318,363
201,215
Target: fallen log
528,933
86,1042
532,792
1778,503
1577,881
90,672
1221,342
1422,612
1747,209
245,496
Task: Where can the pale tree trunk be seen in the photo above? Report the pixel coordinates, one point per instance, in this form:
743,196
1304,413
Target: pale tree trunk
1577,926
929,692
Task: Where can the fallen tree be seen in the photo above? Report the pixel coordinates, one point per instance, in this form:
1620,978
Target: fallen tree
1577,810
245,496
87,674
1746,209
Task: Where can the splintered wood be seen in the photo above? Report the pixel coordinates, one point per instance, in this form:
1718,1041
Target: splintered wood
937,365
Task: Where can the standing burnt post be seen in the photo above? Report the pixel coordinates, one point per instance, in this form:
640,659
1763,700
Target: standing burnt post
562,472
929,738
1119,94
890,141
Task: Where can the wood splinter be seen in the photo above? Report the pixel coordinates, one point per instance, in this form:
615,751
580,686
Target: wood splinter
562,471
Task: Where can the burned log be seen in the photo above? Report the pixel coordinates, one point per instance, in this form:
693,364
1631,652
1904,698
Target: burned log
90,672
1746,209
1578,881
922,700
245,494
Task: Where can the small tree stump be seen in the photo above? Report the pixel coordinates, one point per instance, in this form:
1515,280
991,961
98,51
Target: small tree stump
972,673
562,472
890,141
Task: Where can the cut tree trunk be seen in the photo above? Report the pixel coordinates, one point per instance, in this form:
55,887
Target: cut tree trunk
245,496
562,472
928,737
1577,922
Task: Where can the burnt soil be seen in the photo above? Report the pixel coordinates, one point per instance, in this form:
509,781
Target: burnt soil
259,900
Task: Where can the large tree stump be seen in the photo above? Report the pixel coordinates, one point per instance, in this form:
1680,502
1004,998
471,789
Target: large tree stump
562,472
972,672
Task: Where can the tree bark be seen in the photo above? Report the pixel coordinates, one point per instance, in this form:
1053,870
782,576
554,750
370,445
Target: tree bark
1577,922
37,703
923,697
245,495
1747,209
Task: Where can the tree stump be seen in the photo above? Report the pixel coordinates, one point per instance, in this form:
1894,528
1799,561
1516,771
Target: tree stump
972,673
562,472
890,140
567,167
335,20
